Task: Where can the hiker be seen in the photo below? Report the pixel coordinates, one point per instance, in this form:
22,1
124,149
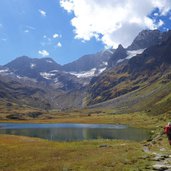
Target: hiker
167,131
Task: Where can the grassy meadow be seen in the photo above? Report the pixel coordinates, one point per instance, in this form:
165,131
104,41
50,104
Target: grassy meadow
20,153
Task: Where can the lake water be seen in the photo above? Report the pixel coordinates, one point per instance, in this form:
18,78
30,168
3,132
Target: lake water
74,132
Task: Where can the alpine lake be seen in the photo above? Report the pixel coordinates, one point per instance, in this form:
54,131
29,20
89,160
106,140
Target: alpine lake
75,131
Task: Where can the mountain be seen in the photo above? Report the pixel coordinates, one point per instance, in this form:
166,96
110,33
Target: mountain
25,66
39,78
26,91
119,55
88,62
145,39
135,79
43,70
46,69
88,66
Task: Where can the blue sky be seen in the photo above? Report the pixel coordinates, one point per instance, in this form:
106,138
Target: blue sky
25,31
67,29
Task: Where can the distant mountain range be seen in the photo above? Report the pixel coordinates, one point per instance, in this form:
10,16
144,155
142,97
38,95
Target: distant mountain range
92,80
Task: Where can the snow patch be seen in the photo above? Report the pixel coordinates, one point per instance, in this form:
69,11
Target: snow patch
105,63
25,78
101,70
88,74
110,51
54,71
56,80
47,75
120,60
4,71
132,53
84,74
32,66
19,77
49,61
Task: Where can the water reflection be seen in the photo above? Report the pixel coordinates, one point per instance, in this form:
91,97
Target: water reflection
75,132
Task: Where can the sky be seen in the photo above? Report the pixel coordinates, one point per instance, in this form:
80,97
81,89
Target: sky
68,29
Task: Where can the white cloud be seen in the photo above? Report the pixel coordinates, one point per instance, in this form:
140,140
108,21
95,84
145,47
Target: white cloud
114,21
55,35
59,44
44,53
67,5
28,28
42,13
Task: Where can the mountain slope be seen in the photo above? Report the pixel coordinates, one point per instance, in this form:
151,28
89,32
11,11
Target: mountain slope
39,83
89,62
135,79
37,94
153,99
144,40
119,55
25,66
140,71
44,70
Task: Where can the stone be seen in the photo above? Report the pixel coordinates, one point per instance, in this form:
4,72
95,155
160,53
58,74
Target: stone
162,149
160,167
103,145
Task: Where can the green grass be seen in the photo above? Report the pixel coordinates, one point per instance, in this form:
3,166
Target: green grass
21,153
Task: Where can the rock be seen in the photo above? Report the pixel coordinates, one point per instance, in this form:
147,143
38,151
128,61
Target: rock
146,149
165,156
148,168
104,145
157,158
144,157
34,114
15,116
160,167
153,142
162,149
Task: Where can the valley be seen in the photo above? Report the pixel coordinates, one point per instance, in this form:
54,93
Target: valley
85,85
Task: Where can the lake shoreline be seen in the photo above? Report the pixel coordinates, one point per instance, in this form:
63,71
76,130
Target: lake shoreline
139,120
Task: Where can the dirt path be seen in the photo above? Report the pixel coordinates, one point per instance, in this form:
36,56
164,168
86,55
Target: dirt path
160,157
